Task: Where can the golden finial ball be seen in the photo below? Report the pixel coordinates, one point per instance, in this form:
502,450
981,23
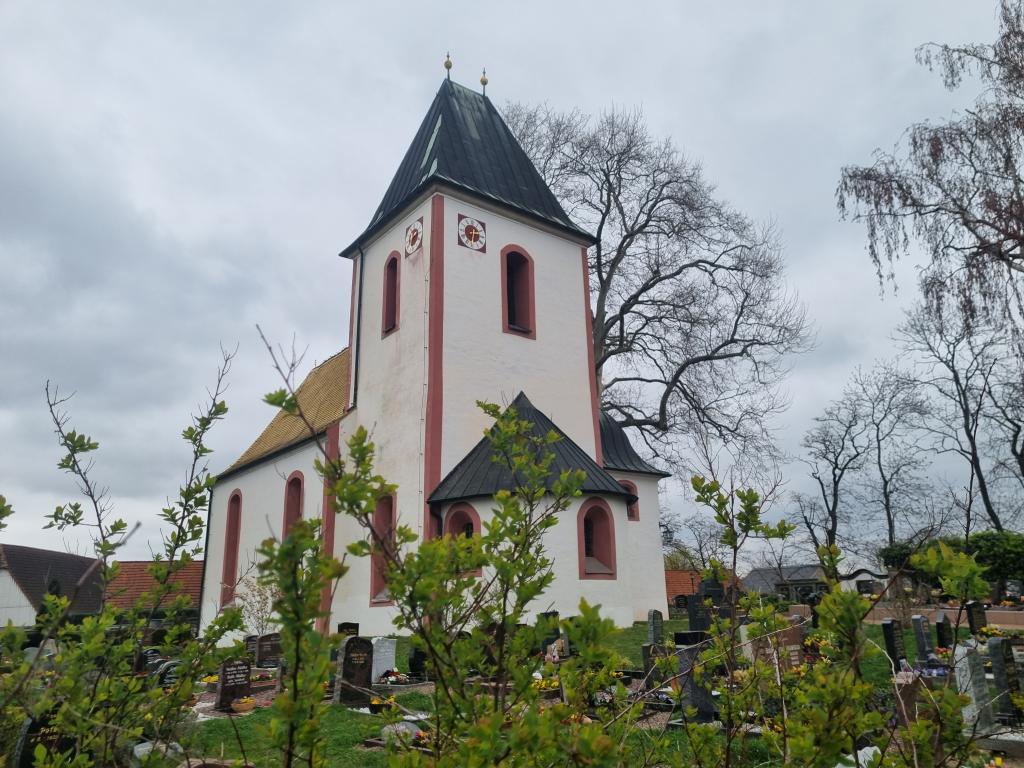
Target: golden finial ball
447,61
483,79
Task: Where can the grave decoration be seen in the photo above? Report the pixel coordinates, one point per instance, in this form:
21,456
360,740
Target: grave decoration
892,632
354,672
268,650
976,618
655,627
1007,681
233,683
943,630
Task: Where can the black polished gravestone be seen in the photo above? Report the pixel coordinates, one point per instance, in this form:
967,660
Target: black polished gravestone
689,638
694,694
550,622
167,673
251,642
976,618
943,630
354,672
417,664
1007,680
268,650
923,637
233,682
655,627
712,590
35,732
348,628
892,632
655,674
698,616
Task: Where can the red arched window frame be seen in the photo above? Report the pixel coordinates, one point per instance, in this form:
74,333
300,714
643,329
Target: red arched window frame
462,520
518,306
595,530
294,492
389,304
232,531
632,510
383,531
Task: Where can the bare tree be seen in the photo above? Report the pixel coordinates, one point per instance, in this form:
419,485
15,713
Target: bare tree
835,448
692,321
893,407
957,365
1006,412
955,186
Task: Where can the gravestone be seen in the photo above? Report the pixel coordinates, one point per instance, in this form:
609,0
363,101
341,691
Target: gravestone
976,618
970,681
417,664
268,650
791,647
1017,646
892,631
654,676
33,732
550,622
348,628
355,670
655,627
698,616
712,590
383,657
233,682
167,673
250,647
689,638
694,694
943,630
147,660
1007,680
923,637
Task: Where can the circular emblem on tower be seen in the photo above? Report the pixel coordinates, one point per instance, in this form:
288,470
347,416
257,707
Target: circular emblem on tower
414,237
472,233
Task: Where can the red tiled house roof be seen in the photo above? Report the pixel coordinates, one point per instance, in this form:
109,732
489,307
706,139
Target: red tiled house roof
134,578
682,582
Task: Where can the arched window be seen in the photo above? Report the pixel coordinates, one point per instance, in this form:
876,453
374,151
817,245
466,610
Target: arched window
389,307
462,520
293,493
632,510
595,530
383,531
517,301
229,572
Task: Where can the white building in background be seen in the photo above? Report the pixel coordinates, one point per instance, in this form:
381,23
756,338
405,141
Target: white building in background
470,283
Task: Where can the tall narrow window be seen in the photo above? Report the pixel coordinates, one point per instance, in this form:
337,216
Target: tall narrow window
233,528
596,533
632,509
517,299
292,502
389,318
383,543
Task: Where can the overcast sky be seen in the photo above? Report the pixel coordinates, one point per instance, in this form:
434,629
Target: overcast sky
173,174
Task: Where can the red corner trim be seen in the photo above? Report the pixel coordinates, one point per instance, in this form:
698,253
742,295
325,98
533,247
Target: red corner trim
588,318
435,340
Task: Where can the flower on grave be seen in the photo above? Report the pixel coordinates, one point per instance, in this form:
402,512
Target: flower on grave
989,631
211,679
244,700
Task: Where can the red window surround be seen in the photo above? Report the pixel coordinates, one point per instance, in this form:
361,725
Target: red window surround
462,520
595,531
293,497
518,312
229,573
389,305
632,510
384,530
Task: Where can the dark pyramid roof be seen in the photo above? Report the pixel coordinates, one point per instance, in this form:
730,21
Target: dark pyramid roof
464,142
618,453
478,474
37,571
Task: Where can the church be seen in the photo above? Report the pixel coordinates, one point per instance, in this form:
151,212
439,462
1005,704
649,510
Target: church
469,283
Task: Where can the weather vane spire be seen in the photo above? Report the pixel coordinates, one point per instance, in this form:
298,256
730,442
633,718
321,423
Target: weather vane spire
483,80
448,65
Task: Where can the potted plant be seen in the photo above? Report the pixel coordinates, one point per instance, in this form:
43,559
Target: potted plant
244,704
379,705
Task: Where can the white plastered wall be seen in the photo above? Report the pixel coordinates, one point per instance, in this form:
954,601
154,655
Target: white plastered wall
14,606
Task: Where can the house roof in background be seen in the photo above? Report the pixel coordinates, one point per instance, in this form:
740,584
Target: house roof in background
37,572
322,397
681,582
764,579
134,578
480,475
464,142
617,451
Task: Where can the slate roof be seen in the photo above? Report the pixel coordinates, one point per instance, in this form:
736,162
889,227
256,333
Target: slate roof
35,570
764,579
464,142
133,579
618,453
322,396
479,475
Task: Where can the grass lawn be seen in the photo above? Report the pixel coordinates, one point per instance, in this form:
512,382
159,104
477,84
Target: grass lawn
627,641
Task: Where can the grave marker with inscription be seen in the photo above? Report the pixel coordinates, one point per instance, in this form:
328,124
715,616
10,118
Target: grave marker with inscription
655,627
892,631
1007,680
976,618
268,650
355,670
943,630
923,637
348,628
233,682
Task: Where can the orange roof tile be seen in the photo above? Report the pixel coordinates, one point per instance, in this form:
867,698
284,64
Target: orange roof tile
684,582
134,578
322,397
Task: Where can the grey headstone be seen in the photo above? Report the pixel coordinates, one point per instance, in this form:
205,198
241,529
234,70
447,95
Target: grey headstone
923,637
969,671
655,627
1007,680
943,630
383,656
892,632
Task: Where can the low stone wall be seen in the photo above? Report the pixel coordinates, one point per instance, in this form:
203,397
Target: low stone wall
996,616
